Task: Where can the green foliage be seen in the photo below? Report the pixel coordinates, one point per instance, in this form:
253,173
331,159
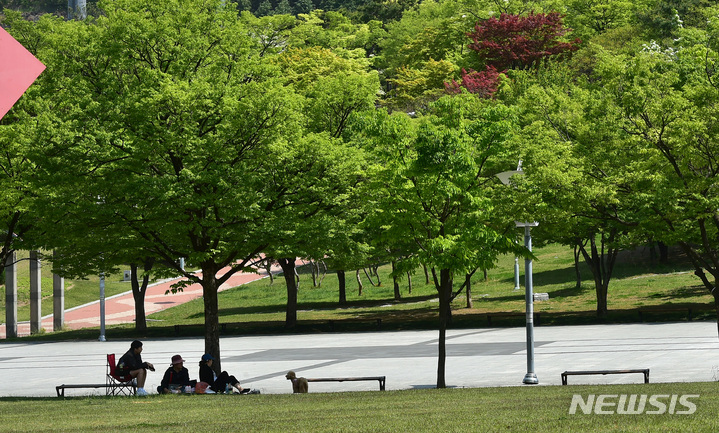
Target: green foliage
414,89
282,8
664,18
590,18
435,179
35,6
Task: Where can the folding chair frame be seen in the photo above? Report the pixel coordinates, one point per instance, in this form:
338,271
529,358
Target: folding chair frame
116,384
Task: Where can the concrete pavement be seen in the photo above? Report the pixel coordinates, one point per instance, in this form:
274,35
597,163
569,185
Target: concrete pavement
674,352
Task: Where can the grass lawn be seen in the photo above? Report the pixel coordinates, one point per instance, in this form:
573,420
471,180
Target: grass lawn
507,409
638,283
259,307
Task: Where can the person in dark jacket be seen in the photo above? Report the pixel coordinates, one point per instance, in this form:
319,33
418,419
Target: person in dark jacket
218,383
176,377
131,363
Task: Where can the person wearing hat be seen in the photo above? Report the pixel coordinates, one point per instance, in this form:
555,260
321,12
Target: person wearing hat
218,383
131,363
176,377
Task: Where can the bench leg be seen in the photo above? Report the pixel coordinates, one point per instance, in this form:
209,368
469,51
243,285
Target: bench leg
564,379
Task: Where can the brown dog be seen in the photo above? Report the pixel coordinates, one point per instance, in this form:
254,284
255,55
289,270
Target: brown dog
299,384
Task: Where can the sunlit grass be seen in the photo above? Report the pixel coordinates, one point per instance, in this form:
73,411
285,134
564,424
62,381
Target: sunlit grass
512,409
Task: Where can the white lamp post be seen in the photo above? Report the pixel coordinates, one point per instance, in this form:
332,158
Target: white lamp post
530,378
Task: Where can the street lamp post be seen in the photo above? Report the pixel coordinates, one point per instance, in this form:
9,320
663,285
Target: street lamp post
531,377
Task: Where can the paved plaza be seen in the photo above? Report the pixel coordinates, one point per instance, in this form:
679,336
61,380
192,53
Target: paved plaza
674,352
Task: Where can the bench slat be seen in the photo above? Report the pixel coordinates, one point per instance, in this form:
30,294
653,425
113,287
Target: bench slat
61,388
381,380
644,371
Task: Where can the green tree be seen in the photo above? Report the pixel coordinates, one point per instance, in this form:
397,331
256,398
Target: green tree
179,129
413,89
270,33
664,18
580,166
19,192
303,7
333,88
283,8
436,180
264,9
668,101
589,18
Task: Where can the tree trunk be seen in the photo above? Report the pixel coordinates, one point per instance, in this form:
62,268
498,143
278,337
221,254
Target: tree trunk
212,319
601,264
321,272
426,274
315,272
267,264
577,271
288,269
409,282
343,286
468,283
701,268
359,283
139,291
445,294
395,282
369,277
663,253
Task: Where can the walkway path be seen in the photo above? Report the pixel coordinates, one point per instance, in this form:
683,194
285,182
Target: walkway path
674,352
121,308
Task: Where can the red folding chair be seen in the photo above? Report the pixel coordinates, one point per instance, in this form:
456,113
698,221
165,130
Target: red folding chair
118,384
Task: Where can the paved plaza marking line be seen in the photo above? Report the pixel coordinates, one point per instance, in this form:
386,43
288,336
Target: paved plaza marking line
381,352
282,373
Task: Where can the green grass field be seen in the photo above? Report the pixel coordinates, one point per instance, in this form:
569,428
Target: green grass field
507,409
639,283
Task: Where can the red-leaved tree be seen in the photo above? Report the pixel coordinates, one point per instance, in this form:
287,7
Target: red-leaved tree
483,83
512,42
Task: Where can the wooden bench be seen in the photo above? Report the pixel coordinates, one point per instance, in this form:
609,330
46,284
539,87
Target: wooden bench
114,384
381,380
644,371
61,388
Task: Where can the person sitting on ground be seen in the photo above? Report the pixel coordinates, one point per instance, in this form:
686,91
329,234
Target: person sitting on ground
176,377
131,364
218,383
299,384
